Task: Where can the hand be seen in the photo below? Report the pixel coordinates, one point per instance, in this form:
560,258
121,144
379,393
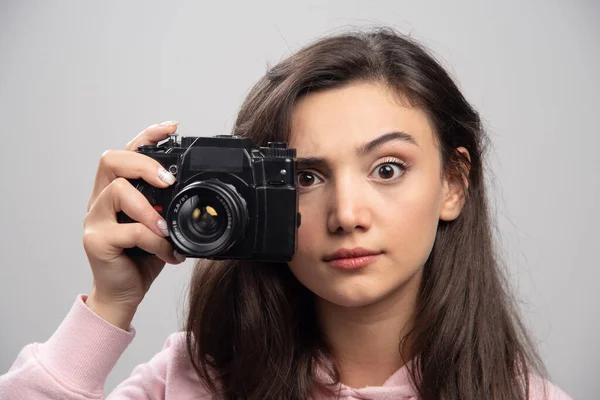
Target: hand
120,282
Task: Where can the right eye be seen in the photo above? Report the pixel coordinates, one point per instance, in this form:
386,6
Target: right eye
306,179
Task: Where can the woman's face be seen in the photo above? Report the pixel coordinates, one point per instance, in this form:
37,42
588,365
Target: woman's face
388,197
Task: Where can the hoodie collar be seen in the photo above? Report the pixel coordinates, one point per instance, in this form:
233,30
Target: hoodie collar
397,386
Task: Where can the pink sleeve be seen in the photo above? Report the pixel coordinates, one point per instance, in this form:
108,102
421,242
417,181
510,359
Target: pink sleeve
73,364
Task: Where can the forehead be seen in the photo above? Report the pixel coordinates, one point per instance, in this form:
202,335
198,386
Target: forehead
341,119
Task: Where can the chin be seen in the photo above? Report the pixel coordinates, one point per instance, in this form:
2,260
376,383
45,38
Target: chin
350,296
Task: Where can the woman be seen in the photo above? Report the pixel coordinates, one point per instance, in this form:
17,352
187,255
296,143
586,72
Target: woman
394,292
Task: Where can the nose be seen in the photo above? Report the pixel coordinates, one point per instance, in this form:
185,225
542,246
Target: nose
348,207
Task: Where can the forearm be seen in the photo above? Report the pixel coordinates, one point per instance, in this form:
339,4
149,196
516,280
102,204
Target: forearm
74,362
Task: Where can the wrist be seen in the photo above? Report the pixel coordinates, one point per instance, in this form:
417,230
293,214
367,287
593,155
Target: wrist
114,314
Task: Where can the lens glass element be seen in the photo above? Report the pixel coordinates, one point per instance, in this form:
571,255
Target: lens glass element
203,219
207,218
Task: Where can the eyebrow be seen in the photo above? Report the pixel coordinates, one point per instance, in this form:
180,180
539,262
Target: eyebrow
309,162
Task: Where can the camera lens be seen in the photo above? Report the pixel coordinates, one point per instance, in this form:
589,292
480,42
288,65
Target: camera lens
203,218
207,217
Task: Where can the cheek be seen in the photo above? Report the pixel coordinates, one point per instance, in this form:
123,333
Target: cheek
415,223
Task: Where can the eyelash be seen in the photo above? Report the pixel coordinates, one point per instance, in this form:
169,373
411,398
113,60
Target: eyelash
393,161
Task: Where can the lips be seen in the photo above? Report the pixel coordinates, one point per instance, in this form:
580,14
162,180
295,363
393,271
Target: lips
350,253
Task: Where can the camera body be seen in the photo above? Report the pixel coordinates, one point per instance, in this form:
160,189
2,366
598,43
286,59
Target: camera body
231,200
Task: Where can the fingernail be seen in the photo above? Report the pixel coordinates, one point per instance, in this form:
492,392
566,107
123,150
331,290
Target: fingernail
178,256
166,176
167,123
162,225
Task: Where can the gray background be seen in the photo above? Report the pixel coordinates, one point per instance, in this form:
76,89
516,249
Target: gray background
77,78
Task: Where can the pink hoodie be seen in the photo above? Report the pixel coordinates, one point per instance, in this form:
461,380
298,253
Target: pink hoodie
75,362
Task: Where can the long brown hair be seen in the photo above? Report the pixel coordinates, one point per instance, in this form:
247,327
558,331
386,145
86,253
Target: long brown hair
252,330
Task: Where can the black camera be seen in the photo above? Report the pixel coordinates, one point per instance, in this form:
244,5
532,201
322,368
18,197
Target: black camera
231,199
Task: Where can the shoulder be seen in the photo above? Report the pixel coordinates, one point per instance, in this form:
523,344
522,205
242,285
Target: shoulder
172,352
543,389
181,377
169,374
175,342
175,355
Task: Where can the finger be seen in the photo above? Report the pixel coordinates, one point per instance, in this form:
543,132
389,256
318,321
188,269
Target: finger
120,195
131,165
117,237
152,135
136,234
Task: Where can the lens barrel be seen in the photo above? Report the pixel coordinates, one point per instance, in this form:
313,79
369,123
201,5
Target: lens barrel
207,217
